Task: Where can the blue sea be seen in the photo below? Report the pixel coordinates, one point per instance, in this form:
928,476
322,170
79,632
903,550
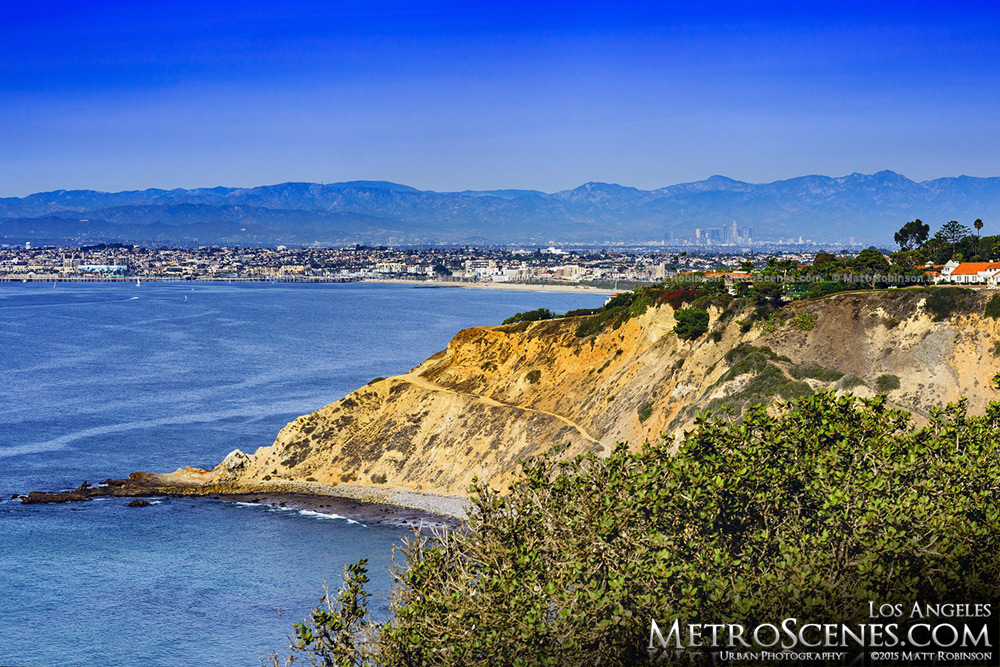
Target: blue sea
99,380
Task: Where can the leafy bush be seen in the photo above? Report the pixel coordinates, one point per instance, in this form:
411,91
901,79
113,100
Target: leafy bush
851,381
809,513
579,312
595,323
533,377
816,372
793,390
530,316
379,479
715,336
996,349
645,411
804,321
691,323
993,307
824,288
374,380
886,383
944,302
746,358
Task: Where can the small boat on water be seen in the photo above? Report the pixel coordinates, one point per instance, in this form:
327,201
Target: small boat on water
138,283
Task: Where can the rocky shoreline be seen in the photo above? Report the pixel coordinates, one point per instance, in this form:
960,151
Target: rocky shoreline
390,506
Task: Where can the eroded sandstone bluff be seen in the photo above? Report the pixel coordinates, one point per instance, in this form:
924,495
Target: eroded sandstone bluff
499,394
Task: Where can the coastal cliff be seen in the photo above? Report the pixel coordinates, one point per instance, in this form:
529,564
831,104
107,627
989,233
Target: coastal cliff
500,394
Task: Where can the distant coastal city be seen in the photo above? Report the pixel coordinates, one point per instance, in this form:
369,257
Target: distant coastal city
552,265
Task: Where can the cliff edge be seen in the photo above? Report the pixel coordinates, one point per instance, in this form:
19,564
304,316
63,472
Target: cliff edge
500,394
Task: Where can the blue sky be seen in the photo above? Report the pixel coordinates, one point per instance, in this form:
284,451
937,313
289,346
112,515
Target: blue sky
452,96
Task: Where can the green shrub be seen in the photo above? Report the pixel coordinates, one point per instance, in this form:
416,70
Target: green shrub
746,358
792,390
645,411
804,321
809,513
993,307
374,380
267,478
824,288
944,302
996,349
715,336
580,312
886,383
310,479
379,479
530,316
851,381
640,305
816,372
691,323
595,323
533,377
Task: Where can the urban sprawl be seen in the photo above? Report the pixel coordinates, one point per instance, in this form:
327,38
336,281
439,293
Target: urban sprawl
518,265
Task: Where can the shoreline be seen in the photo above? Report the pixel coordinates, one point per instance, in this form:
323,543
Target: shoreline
390,505
522,287
425,284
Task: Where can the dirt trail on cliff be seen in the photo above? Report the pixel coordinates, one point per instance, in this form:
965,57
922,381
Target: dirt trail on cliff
430,386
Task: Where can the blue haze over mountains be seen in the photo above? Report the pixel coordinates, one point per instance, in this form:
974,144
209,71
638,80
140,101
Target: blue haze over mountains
869,208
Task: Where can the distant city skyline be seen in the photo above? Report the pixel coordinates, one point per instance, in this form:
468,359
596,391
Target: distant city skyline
449,97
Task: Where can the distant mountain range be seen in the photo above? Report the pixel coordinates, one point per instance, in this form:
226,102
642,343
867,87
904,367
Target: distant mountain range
869,208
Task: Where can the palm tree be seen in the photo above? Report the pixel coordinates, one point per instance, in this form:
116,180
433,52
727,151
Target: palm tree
978,224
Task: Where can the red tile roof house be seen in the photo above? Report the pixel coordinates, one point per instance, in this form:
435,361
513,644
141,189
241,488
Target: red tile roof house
971,273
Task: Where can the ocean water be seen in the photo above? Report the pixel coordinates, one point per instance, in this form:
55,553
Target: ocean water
99,380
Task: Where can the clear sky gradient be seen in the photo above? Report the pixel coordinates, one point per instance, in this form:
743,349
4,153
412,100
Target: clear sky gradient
453,96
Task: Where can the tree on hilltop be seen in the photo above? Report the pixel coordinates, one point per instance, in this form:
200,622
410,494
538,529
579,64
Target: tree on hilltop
872,263
954,232
912,234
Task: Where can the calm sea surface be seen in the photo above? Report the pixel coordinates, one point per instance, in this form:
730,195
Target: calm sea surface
101,380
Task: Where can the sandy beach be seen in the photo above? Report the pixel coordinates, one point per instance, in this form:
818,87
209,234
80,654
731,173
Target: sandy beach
523,287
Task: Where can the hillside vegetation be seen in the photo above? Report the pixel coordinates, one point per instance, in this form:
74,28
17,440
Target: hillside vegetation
809,513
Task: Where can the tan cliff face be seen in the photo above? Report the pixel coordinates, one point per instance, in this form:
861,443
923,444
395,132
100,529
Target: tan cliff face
500,394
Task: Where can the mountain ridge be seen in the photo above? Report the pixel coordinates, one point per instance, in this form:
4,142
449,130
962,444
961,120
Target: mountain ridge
868,207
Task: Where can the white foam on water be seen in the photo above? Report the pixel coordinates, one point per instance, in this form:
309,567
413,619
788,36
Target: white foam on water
321,515
307,513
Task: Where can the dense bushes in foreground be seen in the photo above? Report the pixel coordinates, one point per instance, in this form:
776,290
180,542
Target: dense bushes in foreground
811,513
